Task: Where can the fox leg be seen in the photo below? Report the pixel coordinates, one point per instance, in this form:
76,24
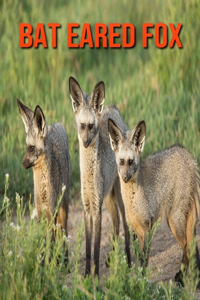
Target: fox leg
111,205
113,211
88,233
61,224
125,225
61,219
184,234
141,234
179,232
97,217
191,233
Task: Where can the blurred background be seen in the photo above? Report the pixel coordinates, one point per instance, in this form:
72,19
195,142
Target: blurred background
160,86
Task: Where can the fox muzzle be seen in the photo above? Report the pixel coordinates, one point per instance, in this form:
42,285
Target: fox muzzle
86,143
126,178
27,164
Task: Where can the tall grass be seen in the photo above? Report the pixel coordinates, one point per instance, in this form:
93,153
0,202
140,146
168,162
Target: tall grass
160,86
32,267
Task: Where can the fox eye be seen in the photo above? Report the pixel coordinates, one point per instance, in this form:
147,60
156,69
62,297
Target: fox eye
82,126
31,148
130,162
91,126
121,161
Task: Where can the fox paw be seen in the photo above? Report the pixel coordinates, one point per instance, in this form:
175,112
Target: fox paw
179,278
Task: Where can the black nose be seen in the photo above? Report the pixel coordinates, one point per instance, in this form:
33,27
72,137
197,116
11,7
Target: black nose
23,162
85,143
126,178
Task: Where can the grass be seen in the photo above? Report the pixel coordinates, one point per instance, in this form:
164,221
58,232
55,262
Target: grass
31,267
160,86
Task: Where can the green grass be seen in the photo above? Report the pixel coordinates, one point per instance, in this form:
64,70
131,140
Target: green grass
160,86
31,267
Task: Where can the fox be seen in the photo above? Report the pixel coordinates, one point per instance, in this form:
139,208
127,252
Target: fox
98,170
47,152
164,186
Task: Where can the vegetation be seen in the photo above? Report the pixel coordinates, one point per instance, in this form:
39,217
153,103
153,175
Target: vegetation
31,267
160,86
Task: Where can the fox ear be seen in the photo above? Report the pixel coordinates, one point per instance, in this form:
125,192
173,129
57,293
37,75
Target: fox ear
115,134
138,136
26,114
98,97
76,94
39,123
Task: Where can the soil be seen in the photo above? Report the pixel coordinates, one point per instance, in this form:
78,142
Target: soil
165,254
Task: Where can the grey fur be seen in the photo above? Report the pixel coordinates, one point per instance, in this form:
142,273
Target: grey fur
99,178
48,153
165,185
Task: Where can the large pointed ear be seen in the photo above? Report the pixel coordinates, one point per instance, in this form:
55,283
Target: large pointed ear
26,114
39,123
98,97
138,136
76,94
115,134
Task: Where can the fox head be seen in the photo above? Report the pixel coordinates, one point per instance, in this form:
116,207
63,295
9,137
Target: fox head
36,129
88,109
128,147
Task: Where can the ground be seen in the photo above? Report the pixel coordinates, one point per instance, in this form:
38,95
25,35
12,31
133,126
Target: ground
165,255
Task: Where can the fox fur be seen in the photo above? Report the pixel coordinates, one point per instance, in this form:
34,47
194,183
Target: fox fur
165,185
47,152
99,178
